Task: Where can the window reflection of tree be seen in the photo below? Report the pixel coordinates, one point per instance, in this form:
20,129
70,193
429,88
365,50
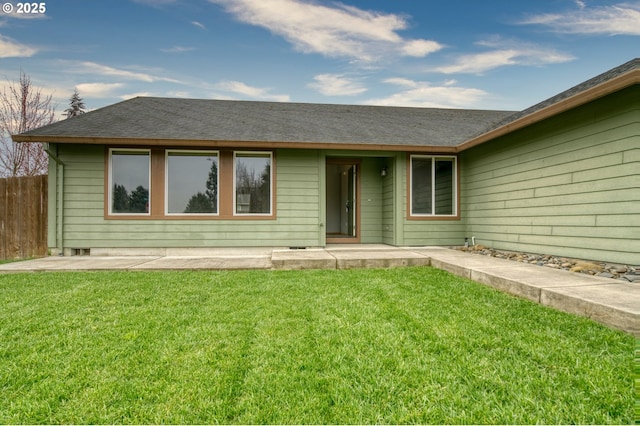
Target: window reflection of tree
135,202
207,202
253,188
199,203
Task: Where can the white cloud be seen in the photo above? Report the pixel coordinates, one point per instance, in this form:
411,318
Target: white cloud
420,48
252,92
105,70
178,49
425,95
616,19
179,94
336,85
401,82
339,31
504,53
98,90
135,95
10,48
199,25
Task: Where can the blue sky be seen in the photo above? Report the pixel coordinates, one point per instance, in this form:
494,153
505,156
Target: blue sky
490,54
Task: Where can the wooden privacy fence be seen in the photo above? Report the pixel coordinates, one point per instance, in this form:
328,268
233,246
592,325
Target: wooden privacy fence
23,217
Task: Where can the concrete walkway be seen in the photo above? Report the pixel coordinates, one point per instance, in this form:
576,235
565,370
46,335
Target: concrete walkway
608,301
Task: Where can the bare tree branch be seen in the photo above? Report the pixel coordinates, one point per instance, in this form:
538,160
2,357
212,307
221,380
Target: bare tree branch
23,107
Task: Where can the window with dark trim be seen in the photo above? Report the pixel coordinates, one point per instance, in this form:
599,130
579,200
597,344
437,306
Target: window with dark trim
433,186
191,182
129,181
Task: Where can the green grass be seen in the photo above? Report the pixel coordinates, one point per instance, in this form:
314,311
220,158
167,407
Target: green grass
406,345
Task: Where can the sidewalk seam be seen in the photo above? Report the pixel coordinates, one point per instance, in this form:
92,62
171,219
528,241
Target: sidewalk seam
131,267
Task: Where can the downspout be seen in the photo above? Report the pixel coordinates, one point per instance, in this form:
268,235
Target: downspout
59,191
322,202
401,203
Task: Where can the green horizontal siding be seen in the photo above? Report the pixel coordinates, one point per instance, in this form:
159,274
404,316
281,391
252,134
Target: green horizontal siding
389,204
433,233
371,201
568,185
83,186
296,224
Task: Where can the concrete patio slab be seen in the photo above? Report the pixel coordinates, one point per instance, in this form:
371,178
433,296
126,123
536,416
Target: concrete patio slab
460,263
362,247
302,259
616,304
77,263
210,263
224,252
528,280
355,258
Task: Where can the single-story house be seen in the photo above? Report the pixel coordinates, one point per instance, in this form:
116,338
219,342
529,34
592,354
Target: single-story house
145,174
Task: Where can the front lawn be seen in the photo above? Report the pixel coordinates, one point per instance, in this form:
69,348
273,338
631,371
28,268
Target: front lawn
405,345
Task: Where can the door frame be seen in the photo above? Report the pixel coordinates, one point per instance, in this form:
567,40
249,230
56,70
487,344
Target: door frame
357,162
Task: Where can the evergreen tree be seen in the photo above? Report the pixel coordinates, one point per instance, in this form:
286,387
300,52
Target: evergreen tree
76,105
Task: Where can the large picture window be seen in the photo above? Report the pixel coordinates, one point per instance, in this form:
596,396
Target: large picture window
130,181
192,182
252,183
189,183
433,186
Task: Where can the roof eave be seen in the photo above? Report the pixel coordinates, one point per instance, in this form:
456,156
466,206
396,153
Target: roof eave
232,143
611,86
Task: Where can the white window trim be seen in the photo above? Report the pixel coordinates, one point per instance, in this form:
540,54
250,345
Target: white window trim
433,189
166,180
110,189
235,203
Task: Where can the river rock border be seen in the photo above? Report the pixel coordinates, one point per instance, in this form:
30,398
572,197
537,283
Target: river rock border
617,271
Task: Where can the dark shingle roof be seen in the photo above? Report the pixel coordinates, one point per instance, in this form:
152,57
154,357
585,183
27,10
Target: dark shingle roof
222,120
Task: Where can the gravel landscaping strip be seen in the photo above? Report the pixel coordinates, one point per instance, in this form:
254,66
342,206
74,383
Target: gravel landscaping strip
626,273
